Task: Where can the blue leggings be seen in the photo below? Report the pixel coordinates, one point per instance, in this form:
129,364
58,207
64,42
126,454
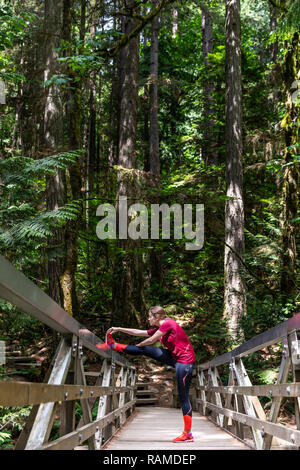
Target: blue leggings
183,371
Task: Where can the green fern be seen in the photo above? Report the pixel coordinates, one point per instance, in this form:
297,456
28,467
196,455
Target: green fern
23,220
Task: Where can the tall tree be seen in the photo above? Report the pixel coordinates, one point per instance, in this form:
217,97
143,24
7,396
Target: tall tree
145,107
128,294
209,146
114,106
154,159
53,138
28,134
73,118
153,94
234,295
290,76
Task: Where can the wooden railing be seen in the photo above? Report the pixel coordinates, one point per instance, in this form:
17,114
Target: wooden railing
236,407
105,405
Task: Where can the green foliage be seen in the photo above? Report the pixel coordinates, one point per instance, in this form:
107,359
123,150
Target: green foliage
24,222
11,424
14,324
5,438
267,376
13,28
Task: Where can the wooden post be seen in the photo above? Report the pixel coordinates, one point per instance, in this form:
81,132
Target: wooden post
80,380
282,378
202,382
295,359
122,394
243,379
228,400
114,400
44,417
218,400
132,393
23,438
103,402
67,409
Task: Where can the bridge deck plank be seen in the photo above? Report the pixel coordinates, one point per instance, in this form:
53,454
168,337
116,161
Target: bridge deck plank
155,427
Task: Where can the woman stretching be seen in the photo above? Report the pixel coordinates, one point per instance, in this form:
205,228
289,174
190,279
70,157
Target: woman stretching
179,354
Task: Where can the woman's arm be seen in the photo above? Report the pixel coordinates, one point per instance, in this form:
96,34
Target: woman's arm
152,339
128,331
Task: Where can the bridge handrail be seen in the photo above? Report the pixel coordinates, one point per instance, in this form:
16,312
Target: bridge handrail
260,341
65,381
28,297
236,407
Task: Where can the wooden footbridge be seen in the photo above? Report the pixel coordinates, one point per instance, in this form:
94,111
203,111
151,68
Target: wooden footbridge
106,415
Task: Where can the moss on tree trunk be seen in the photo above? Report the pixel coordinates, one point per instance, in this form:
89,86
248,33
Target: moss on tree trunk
290,125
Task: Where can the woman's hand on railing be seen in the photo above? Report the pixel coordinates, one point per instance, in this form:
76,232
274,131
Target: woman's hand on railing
112,330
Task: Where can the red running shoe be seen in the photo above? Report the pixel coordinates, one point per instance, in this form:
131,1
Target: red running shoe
109,342
185,436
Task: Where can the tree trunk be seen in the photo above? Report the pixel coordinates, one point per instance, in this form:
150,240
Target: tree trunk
128,295
235,298
209,146
153,92
114,108
73,115
290,75
174,21
154,160
145,112
92,125
53,140
30,102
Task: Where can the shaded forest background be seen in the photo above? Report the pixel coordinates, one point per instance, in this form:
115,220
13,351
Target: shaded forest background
66,147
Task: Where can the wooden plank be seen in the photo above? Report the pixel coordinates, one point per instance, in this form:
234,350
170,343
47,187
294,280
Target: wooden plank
153,428
243,379
23,438
228,399
103,403
86,410
122,395
278,430
132,393
255,401
295,360
202,387
275,407
147,392
42,422
67,408
71,440
214,378
145,384
114,399
31,393
146,400
93,400
291,389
